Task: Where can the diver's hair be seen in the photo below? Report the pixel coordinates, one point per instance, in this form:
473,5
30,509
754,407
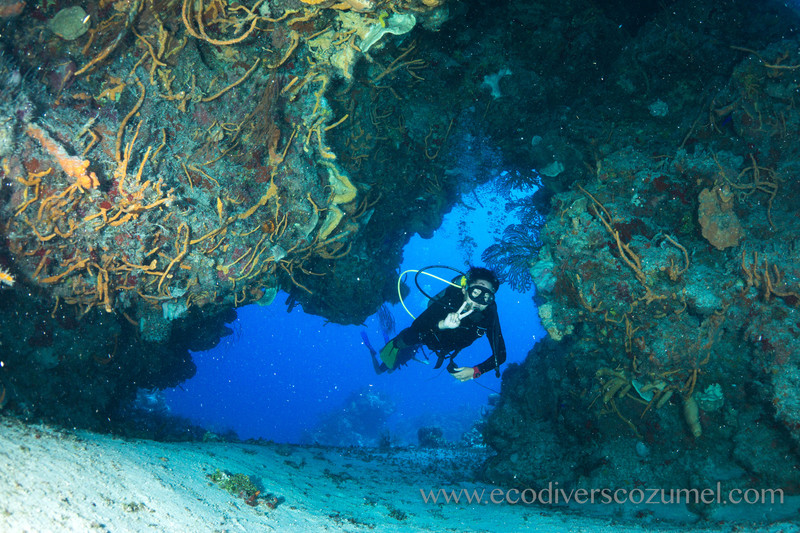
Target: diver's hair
485,274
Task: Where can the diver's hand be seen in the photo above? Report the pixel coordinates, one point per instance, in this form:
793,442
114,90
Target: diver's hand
451,321
465,310
464,373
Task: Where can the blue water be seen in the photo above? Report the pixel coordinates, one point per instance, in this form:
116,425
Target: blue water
281,373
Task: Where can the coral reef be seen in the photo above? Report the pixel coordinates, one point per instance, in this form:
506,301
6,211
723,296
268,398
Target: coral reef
360,421
667,276
431,437
179,160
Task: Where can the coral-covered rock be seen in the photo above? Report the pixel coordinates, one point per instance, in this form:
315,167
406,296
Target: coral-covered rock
431,437
673,290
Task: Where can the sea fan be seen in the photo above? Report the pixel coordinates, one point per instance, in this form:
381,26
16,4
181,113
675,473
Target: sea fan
521,181
531,209
513,256
386,320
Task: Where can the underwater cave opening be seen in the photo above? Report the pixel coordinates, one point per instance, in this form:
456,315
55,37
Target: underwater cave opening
292,377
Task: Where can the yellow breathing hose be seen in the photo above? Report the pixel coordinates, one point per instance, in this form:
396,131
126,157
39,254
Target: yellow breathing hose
400,295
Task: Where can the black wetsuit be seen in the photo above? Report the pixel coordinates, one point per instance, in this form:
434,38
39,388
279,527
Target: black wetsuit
448,342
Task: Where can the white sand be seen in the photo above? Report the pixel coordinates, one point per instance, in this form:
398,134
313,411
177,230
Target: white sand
53,480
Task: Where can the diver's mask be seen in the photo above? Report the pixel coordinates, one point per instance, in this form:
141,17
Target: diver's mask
480,294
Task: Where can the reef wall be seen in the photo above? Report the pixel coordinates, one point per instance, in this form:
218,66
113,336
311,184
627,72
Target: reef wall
166,162
667,275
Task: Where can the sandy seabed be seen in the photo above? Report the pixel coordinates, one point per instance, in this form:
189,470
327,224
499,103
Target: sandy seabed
57,480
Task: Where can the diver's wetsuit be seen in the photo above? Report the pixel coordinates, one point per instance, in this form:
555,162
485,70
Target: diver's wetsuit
425,330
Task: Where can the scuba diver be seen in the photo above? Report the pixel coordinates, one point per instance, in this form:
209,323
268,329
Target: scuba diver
454,319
